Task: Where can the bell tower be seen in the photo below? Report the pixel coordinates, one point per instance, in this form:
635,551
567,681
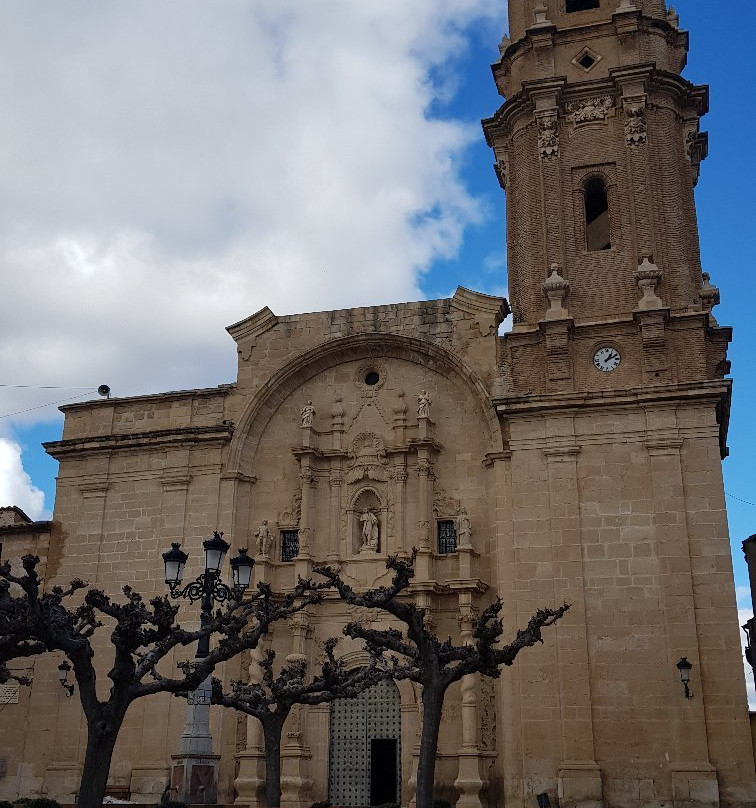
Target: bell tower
613,405
598,147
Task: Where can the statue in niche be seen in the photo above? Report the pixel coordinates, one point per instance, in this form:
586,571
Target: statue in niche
464,529
308,413
424,402
369,522
264,539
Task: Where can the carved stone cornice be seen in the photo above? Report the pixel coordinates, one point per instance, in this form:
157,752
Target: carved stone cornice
246,332
663,446
175,480
562,454
138,441
94,488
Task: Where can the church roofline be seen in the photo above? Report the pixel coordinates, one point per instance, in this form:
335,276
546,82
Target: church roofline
466,299
221,389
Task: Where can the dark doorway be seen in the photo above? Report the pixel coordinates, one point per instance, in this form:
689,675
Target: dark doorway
383,771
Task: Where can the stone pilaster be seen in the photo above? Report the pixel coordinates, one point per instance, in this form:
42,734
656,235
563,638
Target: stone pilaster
469,782
579,777
694,779
296,785
249,783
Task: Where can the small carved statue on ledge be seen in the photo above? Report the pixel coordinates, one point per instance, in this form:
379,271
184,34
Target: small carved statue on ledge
464,529
264,539
424,402
308,413
369,530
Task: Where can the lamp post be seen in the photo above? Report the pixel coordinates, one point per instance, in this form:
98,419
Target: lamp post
685,668
194,775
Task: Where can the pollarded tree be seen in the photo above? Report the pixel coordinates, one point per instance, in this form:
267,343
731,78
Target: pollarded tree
143,635
272,698
418,655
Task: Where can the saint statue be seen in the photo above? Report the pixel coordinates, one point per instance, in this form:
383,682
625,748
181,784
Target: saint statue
264,539
308,413
369,530
423,404
464,529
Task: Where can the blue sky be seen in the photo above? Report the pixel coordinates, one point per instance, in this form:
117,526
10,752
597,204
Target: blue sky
176,149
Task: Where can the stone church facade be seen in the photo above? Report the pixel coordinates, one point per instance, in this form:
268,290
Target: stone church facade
576,458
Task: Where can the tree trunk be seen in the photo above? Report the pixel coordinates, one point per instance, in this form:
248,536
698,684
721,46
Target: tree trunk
272,729
433,702
102,735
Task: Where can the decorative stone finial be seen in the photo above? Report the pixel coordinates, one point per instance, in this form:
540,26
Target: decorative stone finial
709,295
556,288
673,18
541,14
647,277
504,44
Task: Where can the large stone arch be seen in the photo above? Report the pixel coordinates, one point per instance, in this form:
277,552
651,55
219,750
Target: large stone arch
288,379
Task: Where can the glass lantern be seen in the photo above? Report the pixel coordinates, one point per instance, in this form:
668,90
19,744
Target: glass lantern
215,551
175,561
241,569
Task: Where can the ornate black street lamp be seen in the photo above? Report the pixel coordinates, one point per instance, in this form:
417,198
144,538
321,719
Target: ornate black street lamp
685,668
208,588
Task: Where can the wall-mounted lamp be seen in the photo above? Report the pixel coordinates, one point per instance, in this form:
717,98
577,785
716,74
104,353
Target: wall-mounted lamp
63,670
685,667
543,800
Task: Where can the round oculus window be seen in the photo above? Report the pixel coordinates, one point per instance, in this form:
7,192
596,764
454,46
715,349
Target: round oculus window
372,378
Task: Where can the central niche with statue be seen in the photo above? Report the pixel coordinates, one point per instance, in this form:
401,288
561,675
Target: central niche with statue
367,478
366,523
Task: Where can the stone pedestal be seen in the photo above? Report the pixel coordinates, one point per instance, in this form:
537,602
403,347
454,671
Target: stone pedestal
194,778
296,787
194,775
148,782
250,780
469,783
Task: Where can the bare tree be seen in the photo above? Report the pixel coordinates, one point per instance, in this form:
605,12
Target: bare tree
418,655
32,622
272,698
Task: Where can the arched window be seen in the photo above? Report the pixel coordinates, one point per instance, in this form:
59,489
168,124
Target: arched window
582,5
597,236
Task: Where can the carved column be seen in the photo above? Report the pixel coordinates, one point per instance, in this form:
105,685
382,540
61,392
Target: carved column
425,503
336,480
579,775
250,779
334,529
308,481
296,786
399,480
469,783
694,779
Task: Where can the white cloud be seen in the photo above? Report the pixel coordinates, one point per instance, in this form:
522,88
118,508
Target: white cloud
16,487
167,168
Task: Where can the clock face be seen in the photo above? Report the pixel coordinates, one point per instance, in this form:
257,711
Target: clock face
606,359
